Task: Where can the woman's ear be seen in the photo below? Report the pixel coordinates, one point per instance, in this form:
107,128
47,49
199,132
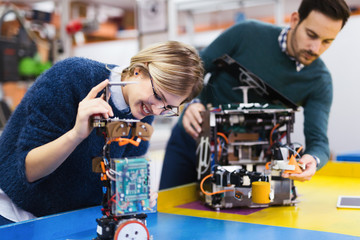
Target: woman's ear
137,71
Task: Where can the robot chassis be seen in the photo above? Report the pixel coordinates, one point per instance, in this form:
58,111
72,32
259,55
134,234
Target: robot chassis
126,190
244,148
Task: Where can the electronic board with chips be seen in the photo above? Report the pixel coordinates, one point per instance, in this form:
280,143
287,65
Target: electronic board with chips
131,189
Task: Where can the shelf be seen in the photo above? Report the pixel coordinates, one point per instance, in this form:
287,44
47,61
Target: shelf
193,7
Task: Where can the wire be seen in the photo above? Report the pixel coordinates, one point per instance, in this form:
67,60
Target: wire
124,141
103,168
220,143
267,165
210,194
215,165
223,135
294,152
220,148
271,133
113,172
109,176
113,200
298,151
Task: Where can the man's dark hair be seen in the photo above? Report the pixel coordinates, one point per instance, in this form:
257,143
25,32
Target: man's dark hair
334,9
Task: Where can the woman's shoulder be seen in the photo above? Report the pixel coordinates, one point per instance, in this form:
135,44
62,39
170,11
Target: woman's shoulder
75,63
73,70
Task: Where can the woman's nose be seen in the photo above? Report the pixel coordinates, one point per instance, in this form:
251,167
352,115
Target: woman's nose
156,109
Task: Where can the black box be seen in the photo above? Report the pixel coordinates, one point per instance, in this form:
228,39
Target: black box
9,60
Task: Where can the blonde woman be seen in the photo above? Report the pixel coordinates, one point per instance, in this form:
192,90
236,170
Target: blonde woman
47,146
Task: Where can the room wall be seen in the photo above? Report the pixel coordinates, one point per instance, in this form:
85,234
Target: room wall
342,59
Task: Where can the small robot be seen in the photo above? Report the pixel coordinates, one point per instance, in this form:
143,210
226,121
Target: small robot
126,186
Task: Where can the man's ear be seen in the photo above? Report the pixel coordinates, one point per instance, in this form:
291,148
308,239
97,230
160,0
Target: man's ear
294,20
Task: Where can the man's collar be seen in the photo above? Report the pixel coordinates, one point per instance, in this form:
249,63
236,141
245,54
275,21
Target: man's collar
283,45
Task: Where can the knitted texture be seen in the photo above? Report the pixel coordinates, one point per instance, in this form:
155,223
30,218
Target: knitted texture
47,111
255,45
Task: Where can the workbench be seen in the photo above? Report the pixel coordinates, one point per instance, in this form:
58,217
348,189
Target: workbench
181,216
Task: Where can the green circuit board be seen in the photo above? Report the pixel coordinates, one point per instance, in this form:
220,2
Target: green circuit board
131,188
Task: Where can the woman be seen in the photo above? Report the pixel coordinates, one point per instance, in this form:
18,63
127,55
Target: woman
47,145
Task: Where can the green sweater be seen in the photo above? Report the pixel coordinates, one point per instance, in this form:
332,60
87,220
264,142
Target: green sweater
255,45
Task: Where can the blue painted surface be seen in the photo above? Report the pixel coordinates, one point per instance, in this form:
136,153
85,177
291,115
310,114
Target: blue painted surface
81,225
351,157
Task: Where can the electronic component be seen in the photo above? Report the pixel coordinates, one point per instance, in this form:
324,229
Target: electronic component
245,147
133,229
126,186
126,180
131,189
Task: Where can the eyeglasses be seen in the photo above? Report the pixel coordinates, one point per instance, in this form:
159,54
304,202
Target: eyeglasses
155,99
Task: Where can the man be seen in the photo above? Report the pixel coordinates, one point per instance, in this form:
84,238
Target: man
287,59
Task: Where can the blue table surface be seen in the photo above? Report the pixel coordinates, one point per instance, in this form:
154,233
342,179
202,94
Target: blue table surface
81,225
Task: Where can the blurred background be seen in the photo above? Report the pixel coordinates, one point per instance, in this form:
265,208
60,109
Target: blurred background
36,34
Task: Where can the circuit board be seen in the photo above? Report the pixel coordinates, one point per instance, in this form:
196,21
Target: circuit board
131,189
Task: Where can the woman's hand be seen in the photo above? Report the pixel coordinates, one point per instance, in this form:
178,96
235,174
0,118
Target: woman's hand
89,106
45,159
153,198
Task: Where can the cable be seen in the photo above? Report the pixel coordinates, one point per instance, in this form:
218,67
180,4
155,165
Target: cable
267,165
298,151
109,176
124,141
223,136
220,148
210,194
221,145
271,133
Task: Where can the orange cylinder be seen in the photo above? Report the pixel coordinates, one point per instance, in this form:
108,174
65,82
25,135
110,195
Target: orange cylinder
261,192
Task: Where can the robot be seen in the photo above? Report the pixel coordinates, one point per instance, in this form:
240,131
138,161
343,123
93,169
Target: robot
244,148
126,186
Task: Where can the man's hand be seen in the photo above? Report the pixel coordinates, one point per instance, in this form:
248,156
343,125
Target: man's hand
192,119
310,169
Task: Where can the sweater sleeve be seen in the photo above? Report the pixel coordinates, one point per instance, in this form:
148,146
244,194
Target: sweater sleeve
47,111
316,115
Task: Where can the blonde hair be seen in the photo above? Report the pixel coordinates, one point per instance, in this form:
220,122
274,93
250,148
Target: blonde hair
175,67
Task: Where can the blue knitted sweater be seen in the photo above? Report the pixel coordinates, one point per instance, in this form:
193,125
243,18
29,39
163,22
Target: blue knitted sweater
47,111
255,45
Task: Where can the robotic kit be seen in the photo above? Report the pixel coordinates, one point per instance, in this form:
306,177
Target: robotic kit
244,148
126,186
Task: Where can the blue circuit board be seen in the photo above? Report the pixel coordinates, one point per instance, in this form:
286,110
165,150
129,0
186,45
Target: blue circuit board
131,190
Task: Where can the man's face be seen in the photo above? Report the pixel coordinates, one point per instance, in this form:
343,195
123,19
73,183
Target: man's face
312,37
